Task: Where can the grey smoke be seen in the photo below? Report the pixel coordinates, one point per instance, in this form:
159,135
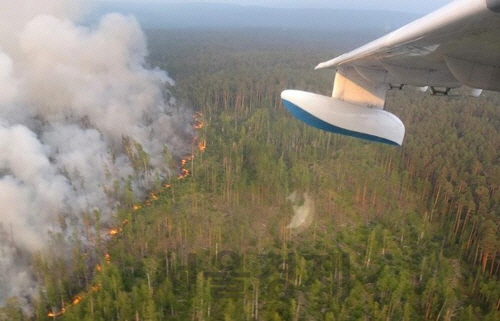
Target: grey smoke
75,104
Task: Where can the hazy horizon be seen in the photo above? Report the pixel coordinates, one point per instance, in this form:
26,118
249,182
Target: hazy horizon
169,14
409,6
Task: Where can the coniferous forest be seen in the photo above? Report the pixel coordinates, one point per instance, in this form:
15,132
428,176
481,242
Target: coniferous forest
280,221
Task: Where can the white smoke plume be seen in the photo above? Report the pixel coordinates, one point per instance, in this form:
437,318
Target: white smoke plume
80,113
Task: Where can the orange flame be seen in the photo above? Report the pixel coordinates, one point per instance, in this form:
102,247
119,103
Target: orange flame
198,125
57,314
202,146
136,207
77,299
184,172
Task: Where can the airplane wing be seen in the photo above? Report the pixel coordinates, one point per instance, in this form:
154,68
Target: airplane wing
456,45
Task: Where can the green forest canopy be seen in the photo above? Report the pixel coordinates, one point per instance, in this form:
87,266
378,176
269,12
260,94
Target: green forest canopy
416,228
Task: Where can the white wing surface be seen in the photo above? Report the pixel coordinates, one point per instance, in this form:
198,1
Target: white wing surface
457,44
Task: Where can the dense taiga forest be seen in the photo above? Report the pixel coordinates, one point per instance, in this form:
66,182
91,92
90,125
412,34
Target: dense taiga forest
280,221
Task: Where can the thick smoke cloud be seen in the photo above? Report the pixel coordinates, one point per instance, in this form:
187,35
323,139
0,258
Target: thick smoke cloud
81,117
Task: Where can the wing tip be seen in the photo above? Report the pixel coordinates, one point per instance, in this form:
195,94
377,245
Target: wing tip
327,64
319,66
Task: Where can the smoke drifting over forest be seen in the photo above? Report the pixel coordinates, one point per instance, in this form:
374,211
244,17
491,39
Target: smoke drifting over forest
81,121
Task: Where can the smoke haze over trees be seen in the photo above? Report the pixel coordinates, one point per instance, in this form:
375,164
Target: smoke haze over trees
83,124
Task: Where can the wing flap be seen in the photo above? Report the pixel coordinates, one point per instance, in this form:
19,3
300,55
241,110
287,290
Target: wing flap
440,77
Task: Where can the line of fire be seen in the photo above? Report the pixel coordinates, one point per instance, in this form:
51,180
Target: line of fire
201,146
